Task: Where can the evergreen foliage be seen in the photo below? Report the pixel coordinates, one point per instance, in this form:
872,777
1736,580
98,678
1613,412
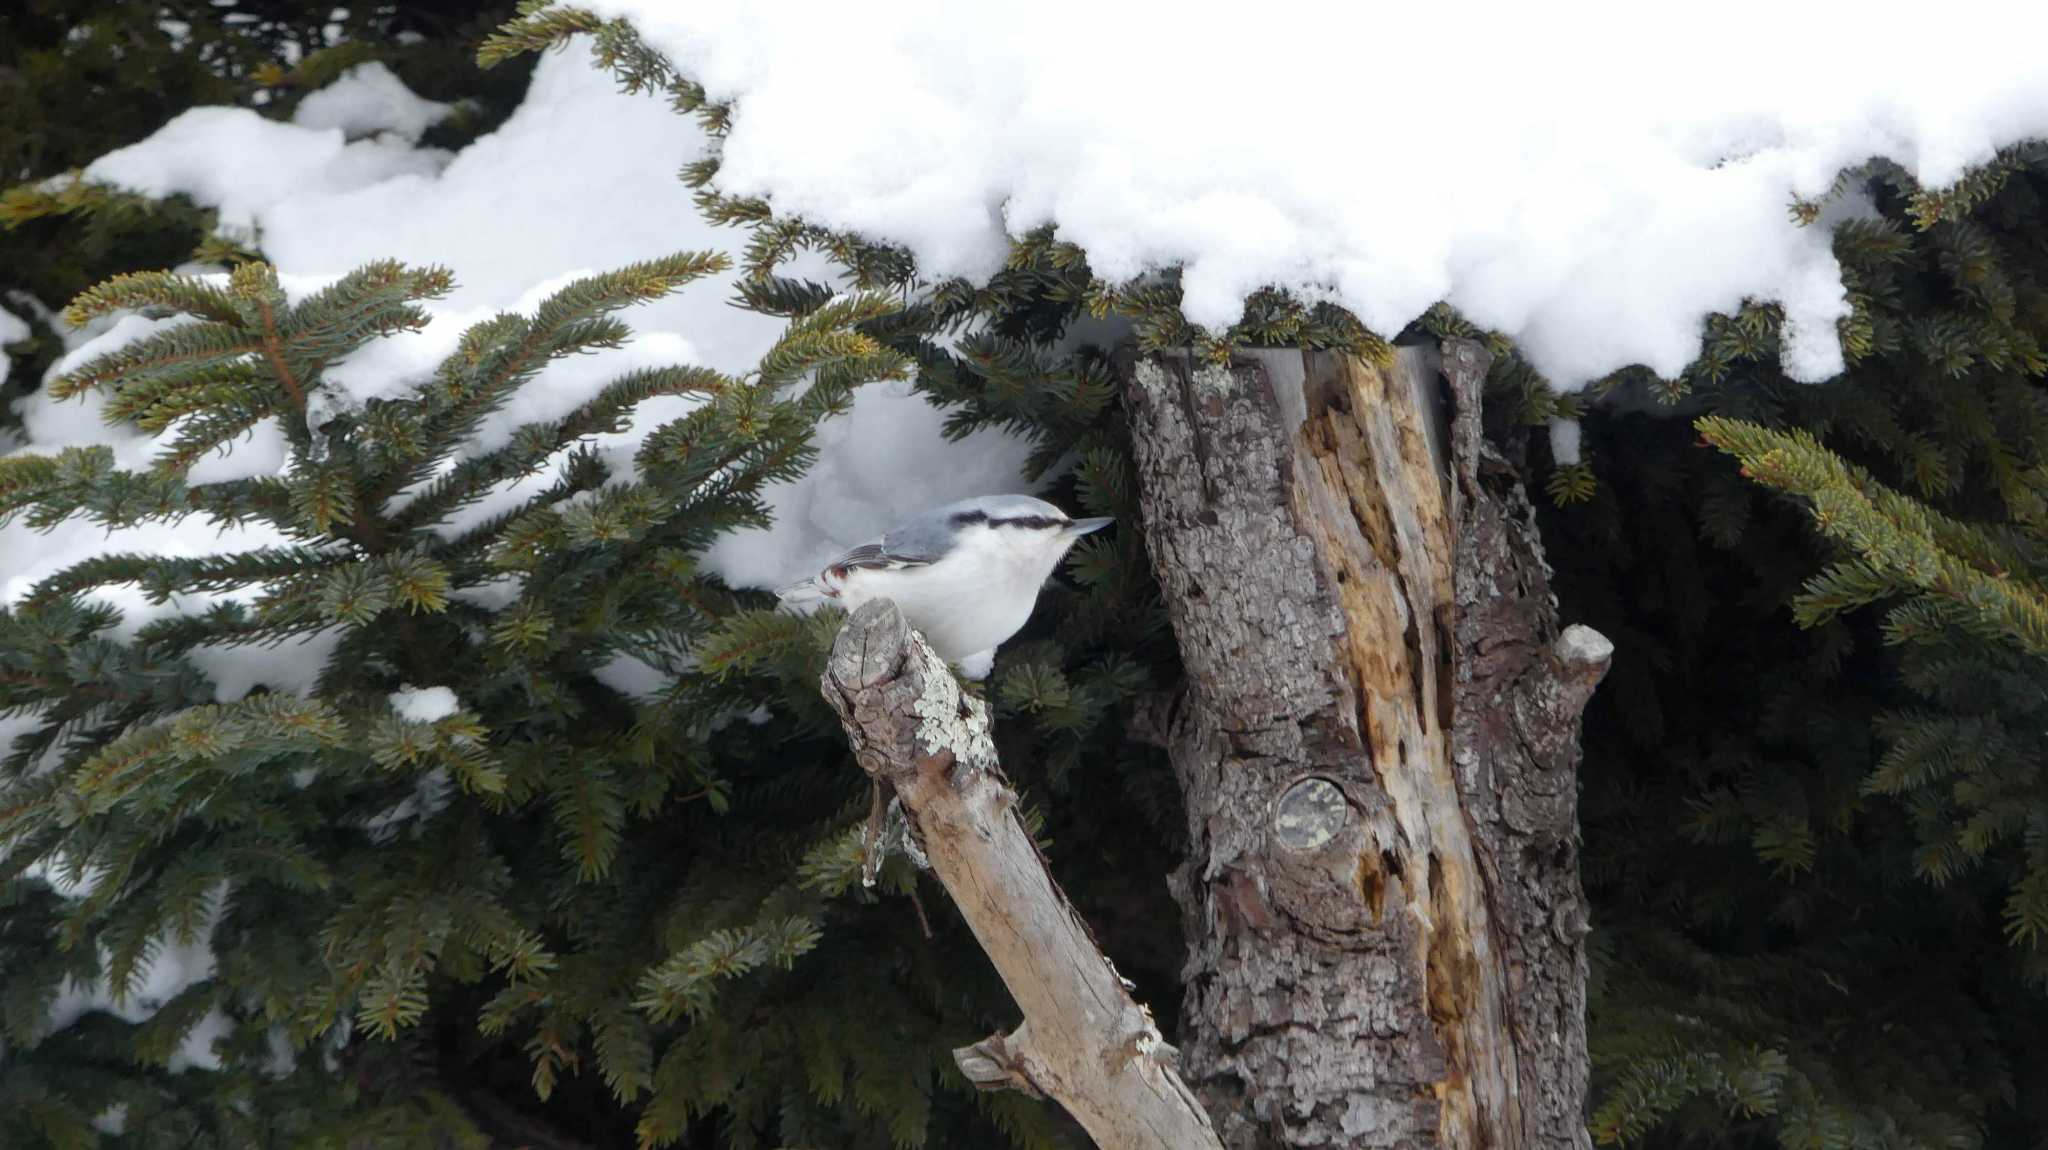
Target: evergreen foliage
520,854
1972,615
627,918
1844,949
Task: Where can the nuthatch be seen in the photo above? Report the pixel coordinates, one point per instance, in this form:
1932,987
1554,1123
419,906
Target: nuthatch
967,574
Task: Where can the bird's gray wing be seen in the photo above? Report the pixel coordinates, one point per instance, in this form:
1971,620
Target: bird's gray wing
916,545
911,545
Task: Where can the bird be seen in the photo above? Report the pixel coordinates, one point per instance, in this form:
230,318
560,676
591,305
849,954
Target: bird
966,575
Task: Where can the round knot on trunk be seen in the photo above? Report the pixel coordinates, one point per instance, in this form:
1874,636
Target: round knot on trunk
1309,814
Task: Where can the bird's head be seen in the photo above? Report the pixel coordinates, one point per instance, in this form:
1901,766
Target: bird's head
1024,530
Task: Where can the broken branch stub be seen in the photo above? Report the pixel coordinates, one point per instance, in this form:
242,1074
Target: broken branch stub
1084,1042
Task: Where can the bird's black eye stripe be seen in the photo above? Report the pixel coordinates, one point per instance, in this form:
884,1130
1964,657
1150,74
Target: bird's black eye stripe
1036,522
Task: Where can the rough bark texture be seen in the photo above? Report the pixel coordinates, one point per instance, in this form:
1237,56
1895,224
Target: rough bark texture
1378,746
1084,1041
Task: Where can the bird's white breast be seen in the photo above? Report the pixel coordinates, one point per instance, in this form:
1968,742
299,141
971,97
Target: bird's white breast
966,603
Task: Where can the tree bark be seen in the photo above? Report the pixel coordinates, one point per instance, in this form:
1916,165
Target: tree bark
1378,746
1084,1041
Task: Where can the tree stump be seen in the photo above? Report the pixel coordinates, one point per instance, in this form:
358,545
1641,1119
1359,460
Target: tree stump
1378,744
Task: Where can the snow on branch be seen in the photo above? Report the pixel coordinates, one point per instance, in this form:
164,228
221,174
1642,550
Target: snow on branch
1084,1041
1599,235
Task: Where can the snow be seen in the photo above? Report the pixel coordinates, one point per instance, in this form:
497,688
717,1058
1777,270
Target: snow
1590,179
197,1047
293,665
247,166
367,99
580,178
632,676
13,727
1564,442
13,329
493,594
176,966
429,797
283,1059
424,704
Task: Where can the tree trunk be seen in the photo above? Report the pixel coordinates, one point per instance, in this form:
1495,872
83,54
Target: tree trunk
1378,747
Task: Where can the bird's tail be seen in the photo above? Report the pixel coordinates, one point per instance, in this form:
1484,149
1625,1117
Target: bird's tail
803,593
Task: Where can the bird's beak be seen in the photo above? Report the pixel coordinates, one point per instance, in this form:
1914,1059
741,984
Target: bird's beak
1082,527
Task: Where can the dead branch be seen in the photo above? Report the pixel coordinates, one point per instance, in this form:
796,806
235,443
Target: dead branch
1084,1042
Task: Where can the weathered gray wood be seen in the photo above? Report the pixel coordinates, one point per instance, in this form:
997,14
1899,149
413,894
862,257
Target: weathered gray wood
1084,1041
1377,744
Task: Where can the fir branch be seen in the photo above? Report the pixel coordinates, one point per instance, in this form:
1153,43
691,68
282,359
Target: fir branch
1898,540
138,290
533,444
255,285
179,353
540,25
